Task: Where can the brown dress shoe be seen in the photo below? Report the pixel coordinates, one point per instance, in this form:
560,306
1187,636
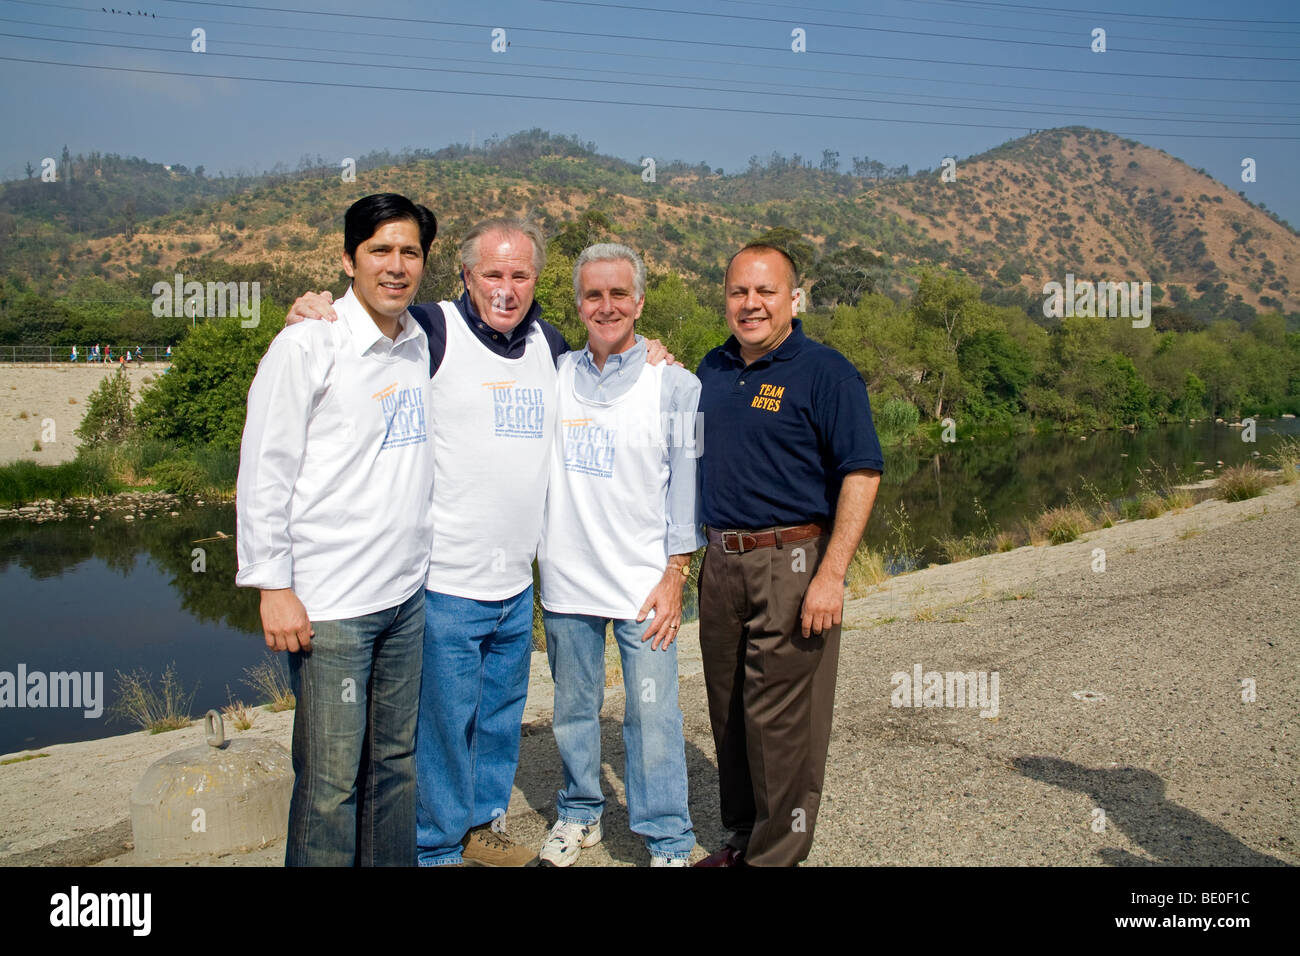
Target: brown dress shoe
727,856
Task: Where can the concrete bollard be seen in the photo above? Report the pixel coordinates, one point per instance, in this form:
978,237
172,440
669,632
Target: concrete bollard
215,798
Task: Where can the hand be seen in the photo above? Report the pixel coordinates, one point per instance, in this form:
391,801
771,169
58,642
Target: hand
656,352
823,604
666,601
285,622
312,305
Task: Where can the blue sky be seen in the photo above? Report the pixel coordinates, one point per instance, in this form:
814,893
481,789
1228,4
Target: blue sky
903,81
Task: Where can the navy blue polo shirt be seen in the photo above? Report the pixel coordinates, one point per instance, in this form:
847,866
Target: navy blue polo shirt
781,434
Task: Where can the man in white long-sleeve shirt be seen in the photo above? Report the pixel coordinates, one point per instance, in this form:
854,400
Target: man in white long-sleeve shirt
334,498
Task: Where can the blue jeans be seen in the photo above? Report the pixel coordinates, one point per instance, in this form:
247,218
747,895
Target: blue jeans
476,660
354,740
655,768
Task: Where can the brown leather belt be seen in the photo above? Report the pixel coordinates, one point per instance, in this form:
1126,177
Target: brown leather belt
738,542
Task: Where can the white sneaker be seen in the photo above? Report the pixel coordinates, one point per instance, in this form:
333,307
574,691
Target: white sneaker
668,861
565,843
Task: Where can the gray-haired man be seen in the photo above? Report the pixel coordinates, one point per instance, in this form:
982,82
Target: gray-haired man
619,532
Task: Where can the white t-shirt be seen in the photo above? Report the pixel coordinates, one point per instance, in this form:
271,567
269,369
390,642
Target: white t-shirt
335,479
492,444
604,547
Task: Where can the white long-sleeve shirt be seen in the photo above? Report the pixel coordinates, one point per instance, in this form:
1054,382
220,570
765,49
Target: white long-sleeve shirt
335,479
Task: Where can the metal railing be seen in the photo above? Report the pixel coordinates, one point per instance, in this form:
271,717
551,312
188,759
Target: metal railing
63,354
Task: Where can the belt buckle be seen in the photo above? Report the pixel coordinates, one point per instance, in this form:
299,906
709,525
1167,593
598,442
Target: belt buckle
739,537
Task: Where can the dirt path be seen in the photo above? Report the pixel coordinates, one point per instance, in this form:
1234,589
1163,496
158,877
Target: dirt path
42,399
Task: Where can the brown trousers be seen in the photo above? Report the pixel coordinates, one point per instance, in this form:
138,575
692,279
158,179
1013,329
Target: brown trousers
771,696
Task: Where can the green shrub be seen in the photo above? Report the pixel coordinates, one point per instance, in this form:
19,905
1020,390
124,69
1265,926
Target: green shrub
179,476
897,418
204,398
108,415
26,481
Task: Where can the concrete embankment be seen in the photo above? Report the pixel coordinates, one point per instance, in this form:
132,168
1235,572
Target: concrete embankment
1146,715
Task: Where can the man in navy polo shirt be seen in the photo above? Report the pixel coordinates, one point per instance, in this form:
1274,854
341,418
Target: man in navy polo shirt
790,473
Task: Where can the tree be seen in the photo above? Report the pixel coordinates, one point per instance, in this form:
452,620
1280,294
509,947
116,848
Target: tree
844,277
576,236
793,244
203,398
108,417
830,161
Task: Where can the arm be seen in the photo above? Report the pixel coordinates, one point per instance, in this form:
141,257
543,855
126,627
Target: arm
666,601
275,434
682,505
823,604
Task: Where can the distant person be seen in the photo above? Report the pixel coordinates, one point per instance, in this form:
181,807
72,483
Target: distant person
616,545
73,358
169,353
789,475
333,512
108,354
139,354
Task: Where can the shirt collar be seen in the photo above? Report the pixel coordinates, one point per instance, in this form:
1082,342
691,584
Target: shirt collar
615,361
361,327
466,306
794,343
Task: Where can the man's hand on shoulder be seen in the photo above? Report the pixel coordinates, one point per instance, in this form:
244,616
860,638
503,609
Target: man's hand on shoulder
285,621
312,305
656,352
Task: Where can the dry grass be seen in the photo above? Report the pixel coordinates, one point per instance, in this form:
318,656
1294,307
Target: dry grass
157,711
238,713
1286,456
272,683
1240,483
866,571
1060,525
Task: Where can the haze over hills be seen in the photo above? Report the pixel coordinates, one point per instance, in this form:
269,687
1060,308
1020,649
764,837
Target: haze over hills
1061,201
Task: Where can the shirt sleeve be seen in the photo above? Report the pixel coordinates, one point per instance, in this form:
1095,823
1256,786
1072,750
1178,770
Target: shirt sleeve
848,432
280,402
683,433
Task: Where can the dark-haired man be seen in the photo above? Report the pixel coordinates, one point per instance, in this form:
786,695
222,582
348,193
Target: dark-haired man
787,484
333,524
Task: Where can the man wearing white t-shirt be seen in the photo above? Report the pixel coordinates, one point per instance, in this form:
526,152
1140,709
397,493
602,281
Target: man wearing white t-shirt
333,523
616,545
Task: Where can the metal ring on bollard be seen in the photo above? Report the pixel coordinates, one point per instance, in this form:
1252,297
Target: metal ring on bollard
214,728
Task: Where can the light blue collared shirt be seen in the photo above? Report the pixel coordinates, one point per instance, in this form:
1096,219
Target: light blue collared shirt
679,402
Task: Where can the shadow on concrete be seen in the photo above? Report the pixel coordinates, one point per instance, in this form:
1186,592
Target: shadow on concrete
1134,801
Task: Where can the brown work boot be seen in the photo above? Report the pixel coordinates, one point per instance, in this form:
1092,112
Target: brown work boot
484,846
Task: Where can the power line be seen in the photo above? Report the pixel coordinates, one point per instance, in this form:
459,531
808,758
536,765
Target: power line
919,33
1026,12
734,46
1049,110
597,102
1020,8
767,67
